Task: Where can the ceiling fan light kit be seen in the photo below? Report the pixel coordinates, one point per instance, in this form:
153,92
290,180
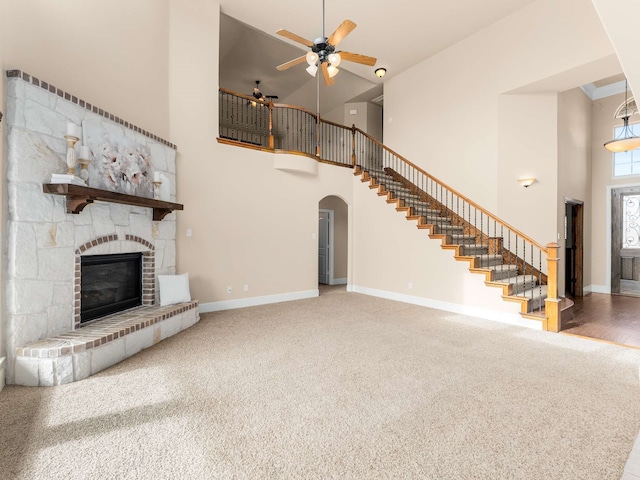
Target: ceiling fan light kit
257,94
312,70
323,53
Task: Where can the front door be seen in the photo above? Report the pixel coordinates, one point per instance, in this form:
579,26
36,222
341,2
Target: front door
625,240
323,247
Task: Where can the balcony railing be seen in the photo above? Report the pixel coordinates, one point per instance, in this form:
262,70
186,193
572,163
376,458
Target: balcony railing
503,253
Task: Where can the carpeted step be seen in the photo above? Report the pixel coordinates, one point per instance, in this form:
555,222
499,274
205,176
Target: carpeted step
488,260
475,249
457,239
449,229
520,283
423,209
503,272
536,297
437,220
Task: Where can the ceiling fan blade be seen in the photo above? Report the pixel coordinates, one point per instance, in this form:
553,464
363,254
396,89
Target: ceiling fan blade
294,37
291,63
344,29
357,58
325,73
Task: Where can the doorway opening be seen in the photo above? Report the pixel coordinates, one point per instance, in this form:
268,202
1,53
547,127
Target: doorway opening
625,241
332,241
574,248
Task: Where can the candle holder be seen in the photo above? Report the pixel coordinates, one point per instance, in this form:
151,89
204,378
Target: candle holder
84,173
71,153
156,189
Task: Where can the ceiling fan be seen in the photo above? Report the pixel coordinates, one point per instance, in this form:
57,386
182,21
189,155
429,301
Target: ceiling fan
324,51
261,96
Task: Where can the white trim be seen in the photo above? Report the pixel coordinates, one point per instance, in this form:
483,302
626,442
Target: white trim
509,318
608,221
255,301
330,214
597,289
589,89
596,93
338,281
2,373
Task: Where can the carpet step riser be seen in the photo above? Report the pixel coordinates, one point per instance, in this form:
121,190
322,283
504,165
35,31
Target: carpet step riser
504,274
484,262
472,250
462,240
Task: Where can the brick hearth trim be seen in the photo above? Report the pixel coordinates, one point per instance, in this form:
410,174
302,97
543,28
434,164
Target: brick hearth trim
86,105
104,331
148,272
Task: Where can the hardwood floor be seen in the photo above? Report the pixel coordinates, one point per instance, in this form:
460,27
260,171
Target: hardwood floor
613,318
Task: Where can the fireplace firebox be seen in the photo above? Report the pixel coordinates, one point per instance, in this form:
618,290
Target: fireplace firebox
109,284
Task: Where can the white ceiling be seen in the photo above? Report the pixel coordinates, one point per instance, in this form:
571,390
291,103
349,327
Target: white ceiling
398,33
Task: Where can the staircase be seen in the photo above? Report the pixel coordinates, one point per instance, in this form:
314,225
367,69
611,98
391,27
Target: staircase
526,271
486,255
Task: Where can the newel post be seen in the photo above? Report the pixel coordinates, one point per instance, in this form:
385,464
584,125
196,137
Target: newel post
353,145
552,303
271,137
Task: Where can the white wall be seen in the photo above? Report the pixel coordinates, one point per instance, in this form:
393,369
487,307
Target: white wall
111,53
620,20
522,154
574,170
252,224
454,127
3,206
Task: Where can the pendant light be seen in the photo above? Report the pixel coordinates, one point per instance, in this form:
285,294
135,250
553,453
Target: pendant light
627,140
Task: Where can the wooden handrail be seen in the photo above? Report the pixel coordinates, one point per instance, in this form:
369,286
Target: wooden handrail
355,130
454,191
293,107
251,98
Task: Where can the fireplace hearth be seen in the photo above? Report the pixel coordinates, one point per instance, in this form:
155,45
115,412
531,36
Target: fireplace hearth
110,284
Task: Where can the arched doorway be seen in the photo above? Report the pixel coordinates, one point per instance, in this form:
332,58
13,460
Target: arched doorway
332,241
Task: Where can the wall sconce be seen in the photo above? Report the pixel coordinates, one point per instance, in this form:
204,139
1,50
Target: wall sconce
526,182
380,72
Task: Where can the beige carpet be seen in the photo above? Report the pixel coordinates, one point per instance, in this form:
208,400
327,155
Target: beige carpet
341,386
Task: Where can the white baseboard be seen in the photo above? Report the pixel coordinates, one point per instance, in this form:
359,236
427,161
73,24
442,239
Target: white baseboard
597,289
508,318
338,281
2,373
255,301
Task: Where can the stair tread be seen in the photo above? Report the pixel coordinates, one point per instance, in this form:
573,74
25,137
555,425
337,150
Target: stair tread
522,288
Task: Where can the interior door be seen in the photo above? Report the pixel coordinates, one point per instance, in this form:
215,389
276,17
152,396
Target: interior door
625,241
574,248
323,247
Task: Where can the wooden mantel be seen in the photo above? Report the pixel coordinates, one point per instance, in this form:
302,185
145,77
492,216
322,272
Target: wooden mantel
79,197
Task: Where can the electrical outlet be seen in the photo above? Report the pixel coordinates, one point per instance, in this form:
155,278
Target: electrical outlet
410,285
229,289
189,232
246,288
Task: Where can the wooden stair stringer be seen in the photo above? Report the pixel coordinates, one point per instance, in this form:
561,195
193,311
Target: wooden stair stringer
468,228
445,239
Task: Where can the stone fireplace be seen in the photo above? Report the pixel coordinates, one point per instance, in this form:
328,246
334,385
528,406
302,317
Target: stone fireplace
46,245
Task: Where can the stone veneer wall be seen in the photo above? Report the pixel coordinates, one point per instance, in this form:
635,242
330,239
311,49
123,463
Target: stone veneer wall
44,242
